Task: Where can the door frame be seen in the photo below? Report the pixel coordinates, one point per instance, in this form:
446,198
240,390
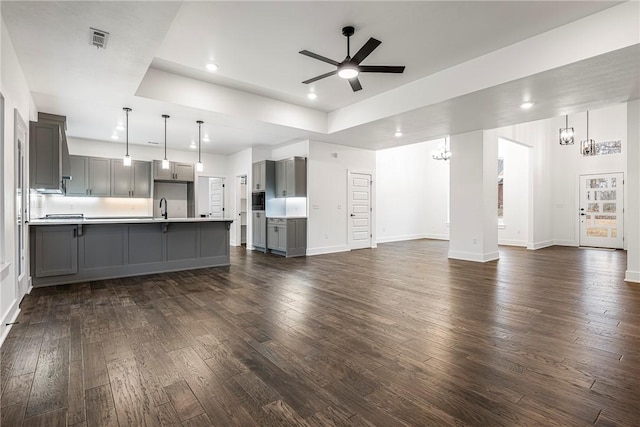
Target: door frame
238,209
578,203
372,200
21,134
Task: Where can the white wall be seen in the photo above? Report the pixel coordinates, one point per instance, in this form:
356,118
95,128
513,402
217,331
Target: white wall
412,193
15,90
327,194
514,228
295,149
567,164
632,229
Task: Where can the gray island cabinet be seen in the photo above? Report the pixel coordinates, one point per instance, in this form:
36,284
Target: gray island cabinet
71,251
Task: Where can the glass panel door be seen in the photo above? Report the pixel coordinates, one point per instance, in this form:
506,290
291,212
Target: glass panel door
601,203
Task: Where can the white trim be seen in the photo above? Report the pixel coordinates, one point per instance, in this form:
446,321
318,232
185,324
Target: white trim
402,238
632,276
540,245
3,267
474,256
561,242
437,236
512,242
327,250
10,316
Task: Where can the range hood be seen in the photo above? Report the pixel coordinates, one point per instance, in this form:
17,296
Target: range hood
49,165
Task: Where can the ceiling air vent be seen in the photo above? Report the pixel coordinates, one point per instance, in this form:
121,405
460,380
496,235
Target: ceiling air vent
98,38
154,143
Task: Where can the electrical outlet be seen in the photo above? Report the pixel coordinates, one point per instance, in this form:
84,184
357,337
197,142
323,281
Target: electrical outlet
339,206
475,241
326,236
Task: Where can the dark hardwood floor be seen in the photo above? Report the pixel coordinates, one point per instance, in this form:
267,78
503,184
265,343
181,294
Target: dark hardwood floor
399,335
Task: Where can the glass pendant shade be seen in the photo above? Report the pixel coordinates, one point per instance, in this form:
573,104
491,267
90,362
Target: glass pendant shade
199,167
165,164
566,133
442,153
588,146
127,160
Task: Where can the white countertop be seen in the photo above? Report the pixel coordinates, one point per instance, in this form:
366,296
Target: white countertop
286,217
136,220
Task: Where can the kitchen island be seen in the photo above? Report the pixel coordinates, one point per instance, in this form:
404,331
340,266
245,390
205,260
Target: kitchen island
77,250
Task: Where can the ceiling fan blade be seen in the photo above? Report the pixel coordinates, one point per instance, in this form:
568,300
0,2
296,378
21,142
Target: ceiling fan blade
319,57
322,76
381,69
365,50
355,84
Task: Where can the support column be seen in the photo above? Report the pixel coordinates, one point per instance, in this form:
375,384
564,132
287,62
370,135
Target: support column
632,182
473,190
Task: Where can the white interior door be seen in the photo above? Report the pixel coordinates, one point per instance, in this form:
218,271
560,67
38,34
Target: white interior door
601,210
359,226
216,197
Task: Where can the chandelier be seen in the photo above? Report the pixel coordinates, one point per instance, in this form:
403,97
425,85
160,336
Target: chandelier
442,153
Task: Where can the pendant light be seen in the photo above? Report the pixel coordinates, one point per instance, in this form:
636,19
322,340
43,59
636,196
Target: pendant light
442,153
165,162
127,158
588,146
566,133
199,165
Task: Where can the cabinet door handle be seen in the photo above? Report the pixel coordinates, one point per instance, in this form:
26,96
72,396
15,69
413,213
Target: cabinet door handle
75,232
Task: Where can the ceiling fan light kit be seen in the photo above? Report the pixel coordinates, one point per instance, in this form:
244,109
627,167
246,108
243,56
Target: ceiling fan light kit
350,67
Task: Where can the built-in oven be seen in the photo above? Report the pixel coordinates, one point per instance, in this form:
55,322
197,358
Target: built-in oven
258,201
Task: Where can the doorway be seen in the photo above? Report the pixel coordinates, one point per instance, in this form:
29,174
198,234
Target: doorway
240,224
359,220
601,210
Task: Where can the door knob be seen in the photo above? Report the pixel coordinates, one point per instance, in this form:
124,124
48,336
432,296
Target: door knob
583,214
353,214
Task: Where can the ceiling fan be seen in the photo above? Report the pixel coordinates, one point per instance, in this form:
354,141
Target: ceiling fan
350,67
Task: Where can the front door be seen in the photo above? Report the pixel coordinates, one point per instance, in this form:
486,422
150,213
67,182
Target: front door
601,213
359,226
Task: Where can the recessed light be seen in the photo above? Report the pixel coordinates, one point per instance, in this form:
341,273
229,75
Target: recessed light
114,136
205,138
212,67
120,127
312,95
526,105
398,134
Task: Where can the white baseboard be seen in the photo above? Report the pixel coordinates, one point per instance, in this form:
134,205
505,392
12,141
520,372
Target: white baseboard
572,243
540,245
327,250
437,236
9,317
632,276
474,256
512,242
402,238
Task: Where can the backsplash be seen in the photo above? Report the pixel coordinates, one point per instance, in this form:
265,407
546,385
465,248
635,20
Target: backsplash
43,204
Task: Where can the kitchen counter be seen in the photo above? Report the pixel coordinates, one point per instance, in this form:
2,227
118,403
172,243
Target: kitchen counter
72,250
122,220
285,217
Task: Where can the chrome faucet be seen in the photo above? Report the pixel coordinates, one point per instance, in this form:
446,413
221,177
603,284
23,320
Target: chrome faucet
164,215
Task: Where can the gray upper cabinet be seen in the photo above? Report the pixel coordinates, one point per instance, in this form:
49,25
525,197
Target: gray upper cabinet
78,185
91,176
258,175
130,181
291,177
45,161
177,171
